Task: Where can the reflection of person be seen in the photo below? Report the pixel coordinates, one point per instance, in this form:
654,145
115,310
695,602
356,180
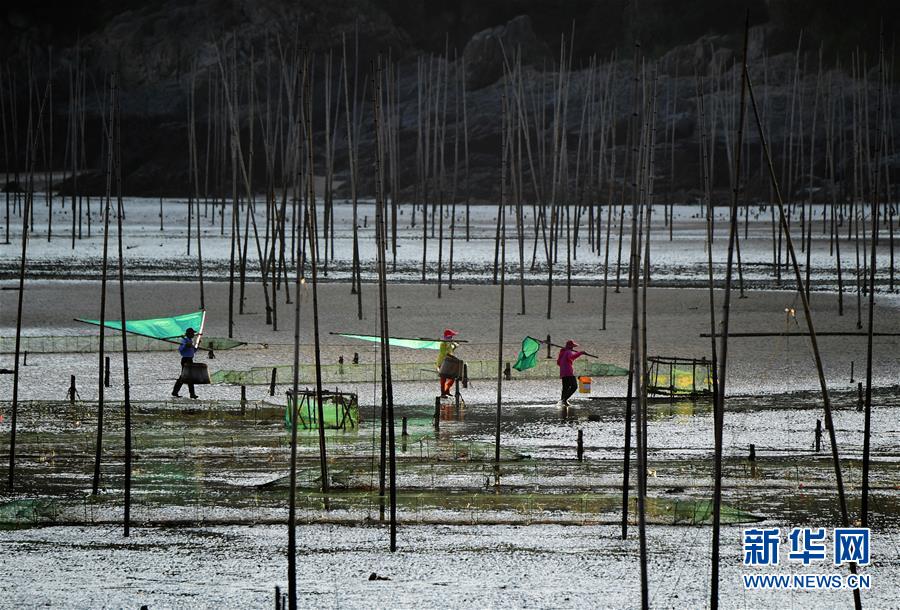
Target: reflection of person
187,349
447,349
565,361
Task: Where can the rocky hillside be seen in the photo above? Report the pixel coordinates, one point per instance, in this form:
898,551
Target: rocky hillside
161,49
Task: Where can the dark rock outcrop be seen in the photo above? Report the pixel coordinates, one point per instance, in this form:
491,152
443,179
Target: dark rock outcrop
484,53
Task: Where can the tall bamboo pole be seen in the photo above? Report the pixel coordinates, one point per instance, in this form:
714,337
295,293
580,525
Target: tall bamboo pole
356,284
195,173
381,255
457,89
611,192
867,426
636,355
103,274
6,161
292,499
313,259
719,405
29,201
501,212
50,134
829,422
115,123
707,192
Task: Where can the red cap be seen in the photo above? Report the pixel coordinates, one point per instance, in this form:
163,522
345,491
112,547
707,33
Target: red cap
449,332
571,344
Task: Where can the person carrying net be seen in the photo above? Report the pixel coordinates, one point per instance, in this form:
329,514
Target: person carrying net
447,348
187,349
565,361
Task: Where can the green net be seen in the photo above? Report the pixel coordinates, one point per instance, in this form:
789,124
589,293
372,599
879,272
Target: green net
528,356
401,371
112,342
220,343
679,376
157,328
398,341
339,412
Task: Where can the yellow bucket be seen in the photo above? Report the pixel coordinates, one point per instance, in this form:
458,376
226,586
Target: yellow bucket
584,385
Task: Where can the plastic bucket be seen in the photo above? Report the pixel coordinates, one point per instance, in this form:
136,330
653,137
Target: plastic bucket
584,385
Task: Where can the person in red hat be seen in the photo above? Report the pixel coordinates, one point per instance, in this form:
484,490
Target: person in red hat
565,362
448,346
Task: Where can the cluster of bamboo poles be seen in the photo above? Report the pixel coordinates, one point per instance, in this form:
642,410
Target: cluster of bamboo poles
111,128
567,157
30,91
642,129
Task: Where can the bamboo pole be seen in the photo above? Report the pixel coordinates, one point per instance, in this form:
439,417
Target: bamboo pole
845,519
440,137
465,144
704,164
116,126
50,134
73,114
83,151
6,161
558,135
501,214
292,499
867,425
356,283
672,157
457,93
610,205
29,197
103,274
646,153
424,122
313,259
195,173
726,318
519,200
381,254
636,355
392,123
812,149
234,213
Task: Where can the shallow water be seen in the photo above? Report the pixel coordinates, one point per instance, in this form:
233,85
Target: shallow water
211,462
163,254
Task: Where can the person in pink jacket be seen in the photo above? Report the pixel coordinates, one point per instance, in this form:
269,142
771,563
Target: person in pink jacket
565,362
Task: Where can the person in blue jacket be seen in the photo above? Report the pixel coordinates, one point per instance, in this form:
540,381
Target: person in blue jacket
187,349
